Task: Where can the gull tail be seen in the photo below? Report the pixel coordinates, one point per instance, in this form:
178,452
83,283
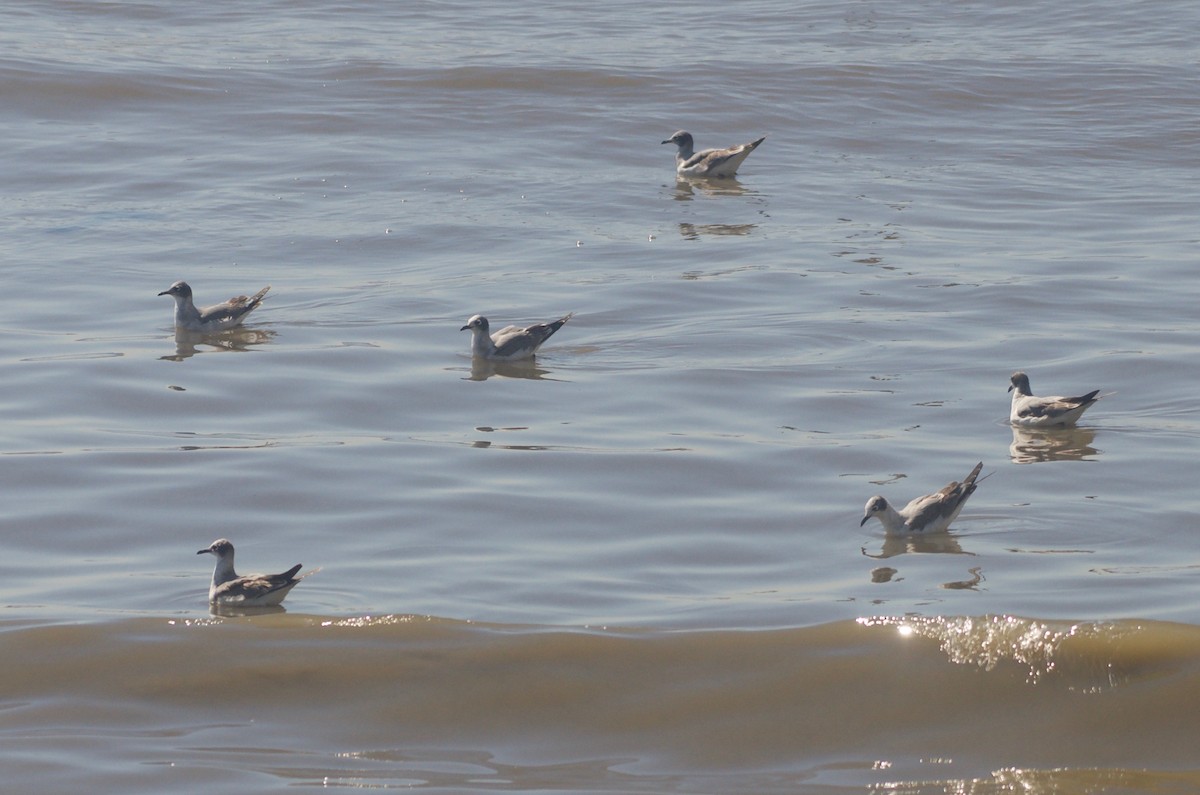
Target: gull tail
257,298
556,325
971,481
544,331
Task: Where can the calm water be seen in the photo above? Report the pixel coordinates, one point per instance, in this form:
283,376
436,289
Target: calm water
636,565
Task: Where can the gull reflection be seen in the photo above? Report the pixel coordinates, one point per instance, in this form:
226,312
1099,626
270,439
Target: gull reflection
233,611
238,339
943,543
483,444
686,187
694,231
883,574
483,369
966,585
1030,446
888,574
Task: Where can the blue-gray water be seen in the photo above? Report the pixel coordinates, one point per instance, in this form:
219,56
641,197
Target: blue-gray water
636,565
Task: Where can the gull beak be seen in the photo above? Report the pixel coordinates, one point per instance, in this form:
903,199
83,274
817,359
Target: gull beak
465,328
165,292
1010,387
864,520
667,141
201,552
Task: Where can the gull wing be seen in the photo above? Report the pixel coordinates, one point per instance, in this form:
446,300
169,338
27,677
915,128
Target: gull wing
940,509
234,309
257,589
512,341
1056,407
719,162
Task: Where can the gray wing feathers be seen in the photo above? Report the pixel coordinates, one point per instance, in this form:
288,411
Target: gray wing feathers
726,160
512,340
256,586
236,307
1059,407
945,503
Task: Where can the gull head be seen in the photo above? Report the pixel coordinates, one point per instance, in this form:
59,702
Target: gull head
476,322
178,290
681,138
876,506
1020,382
222,547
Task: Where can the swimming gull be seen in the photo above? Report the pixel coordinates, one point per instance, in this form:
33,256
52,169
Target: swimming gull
509,343
252,590
1032,411
218,317
721,163
932,513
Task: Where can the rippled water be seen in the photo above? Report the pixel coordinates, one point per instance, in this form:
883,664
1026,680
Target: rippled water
636,565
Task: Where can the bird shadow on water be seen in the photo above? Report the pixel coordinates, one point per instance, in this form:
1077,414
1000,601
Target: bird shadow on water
1061,444
188,343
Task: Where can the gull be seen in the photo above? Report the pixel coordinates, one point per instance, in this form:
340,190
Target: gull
709,162
509,343
1033,411
218,317
252,590
932,513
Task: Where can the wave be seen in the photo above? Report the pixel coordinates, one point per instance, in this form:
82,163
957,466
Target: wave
853,703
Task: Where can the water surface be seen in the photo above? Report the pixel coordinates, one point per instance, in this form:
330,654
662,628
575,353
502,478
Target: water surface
635,565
